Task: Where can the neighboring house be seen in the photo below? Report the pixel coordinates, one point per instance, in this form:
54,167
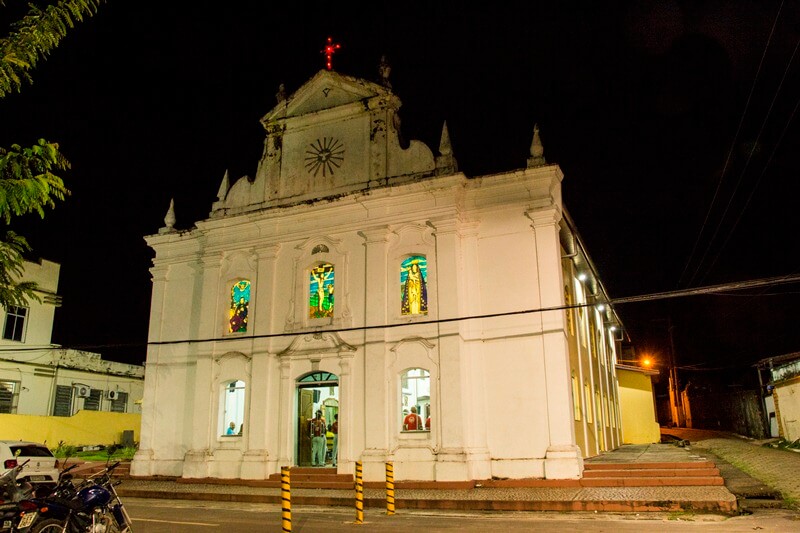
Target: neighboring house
637,404
40,378
781,394
454,325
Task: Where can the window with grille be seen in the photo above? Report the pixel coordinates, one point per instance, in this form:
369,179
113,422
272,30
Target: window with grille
120,405
63,403
92,403
8,396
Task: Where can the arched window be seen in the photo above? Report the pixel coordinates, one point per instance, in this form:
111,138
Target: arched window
415,388
240,303
414,285
576,397
320,298
232,408
587,403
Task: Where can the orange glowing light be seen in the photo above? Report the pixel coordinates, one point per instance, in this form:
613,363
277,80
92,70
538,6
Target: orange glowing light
647,362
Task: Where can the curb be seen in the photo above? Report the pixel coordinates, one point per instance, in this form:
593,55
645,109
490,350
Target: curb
724,507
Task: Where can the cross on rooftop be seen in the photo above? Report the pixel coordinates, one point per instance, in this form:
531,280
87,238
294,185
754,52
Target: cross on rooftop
330,49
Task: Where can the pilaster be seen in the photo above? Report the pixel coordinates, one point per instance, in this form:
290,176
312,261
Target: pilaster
563,458
375,314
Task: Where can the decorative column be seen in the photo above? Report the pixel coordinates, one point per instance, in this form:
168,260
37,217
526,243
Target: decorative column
261,414
452,458
563,459
347,399
286,432
143,461
376,414
196,460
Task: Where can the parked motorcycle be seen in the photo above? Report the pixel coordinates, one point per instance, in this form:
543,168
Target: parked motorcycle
92,506
17,512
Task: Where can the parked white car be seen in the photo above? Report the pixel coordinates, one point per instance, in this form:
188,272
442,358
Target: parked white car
42,467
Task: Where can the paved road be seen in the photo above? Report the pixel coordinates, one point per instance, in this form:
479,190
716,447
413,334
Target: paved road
172,516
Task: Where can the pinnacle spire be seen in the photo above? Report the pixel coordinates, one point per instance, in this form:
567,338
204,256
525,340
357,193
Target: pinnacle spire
536,158
446,162
169,218
223,187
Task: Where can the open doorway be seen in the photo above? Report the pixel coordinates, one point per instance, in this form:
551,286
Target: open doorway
318,391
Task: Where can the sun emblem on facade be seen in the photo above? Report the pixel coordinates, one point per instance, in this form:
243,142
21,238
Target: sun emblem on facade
324,155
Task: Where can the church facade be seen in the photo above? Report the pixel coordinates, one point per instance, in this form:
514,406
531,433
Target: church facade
446,323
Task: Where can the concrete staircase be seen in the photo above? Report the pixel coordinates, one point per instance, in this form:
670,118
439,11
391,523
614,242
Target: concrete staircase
313,478
694,473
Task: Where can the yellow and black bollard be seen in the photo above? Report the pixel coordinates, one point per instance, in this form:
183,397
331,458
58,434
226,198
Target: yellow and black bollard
359,494
389,489
286,499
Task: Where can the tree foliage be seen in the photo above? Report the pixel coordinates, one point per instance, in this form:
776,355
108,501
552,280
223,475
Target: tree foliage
30,179
32,38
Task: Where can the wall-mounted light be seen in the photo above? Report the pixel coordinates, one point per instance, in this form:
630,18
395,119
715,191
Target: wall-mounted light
601,307
582,276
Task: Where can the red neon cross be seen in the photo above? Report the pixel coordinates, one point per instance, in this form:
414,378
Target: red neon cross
330,49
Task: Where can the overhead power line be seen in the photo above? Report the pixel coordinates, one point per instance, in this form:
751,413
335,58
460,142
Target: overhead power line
713,289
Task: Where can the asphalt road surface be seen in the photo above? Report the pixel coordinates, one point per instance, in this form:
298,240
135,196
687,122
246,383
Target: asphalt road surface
178,516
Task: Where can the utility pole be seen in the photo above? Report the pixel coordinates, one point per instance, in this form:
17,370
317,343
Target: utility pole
678,415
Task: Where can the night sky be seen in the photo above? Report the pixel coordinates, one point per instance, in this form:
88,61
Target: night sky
673,123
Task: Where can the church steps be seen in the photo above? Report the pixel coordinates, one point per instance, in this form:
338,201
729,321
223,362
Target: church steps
652,472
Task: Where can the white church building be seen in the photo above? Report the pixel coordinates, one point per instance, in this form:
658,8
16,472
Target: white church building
361,276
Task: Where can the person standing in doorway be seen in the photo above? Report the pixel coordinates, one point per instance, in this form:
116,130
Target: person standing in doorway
318,441
335,431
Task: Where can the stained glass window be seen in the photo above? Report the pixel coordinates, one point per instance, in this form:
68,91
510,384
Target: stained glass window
414,285
320,299
240,302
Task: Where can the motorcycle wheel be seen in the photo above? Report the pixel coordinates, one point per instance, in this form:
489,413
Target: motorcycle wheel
51,525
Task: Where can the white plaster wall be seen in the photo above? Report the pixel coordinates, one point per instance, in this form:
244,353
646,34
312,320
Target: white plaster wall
492,414
788,394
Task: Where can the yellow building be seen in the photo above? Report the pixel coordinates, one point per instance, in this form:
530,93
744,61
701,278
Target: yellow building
637,405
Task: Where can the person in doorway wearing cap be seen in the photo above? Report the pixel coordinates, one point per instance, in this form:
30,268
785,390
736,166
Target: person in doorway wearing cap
318,440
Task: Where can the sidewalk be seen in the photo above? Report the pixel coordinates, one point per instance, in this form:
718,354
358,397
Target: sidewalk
628,494
753,472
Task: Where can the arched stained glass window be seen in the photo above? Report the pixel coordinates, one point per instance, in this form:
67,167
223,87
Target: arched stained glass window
320,299
414,285
240,302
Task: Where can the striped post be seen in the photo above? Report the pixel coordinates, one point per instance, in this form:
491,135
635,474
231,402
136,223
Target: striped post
389,488
359,494
286,499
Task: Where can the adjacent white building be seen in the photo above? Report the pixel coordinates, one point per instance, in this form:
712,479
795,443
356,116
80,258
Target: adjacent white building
41,378
362,276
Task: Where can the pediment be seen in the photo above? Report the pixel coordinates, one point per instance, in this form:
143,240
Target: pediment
325,90
318,343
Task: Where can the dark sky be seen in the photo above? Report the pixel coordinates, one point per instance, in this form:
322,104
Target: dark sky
673,123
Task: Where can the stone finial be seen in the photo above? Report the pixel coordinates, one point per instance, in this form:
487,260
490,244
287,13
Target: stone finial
223,187
384,69
536,158
446,162
280,96
169,219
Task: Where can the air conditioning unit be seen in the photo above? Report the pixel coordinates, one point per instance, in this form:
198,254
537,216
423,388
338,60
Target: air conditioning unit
84,392
113,395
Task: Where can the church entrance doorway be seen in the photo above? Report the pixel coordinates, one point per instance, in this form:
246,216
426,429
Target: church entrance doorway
318,391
